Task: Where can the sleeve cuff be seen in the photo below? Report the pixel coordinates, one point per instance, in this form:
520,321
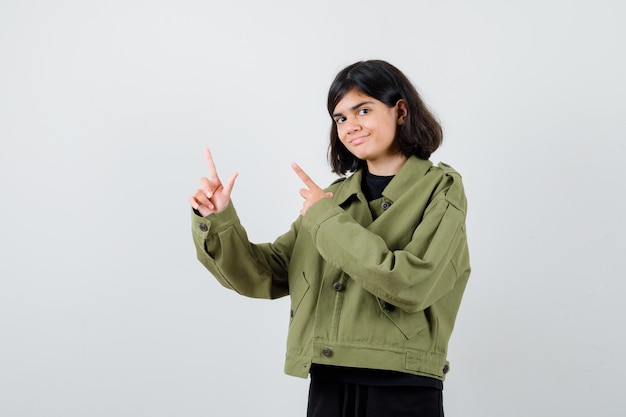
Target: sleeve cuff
213,223
318,213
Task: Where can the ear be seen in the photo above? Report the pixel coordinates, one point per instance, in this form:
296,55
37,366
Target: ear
403,111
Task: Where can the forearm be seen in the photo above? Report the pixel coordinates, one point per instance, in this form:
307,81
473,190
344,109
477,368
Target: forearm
412,277
222,246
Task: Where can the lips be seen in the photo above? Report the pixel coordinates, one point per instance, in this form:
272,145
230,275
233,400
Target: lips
358,140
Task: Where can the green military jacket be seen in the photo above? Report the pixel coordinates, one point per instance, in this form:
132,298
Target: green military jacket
373,285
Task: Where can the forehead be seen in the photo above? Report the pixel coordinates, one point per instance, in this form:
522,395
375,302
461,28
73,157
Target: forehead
351,99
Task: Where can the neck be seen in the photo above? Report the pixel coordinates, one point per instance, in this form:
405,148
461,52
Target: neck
388,166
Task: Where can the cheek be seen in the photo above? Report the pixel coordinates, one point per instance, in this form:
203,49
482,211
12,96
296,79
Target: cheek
392,131
341,132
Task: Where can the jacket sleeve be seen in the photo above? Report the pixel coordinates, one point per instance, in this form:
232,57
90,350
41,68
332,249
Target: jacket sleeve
253,270
411,278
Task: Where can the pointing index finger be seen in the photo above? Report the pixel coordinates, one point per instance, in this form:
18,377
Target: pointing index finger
209,163
304,177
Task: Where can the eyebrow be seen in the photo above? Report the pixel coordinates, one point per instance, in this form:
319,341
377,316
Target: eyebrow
354,107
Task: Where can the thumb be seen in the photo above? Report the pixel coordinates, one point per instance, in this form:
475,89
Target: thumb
230,182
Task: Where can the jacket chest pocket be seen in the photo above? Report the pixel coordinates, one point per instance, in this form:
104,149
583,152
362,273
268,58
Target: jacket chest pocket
409,324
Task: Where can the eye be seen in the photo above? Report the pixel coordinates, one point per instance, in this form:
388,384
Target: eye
340,119
363,111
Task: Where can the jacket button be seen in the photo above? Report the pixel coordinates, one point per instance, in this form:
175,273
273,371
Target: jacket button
338,286
388,307
203,227
386,205
446,368
327,352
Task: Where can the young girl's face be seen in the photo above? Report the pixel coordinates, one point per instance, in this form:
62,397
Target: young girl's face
367,127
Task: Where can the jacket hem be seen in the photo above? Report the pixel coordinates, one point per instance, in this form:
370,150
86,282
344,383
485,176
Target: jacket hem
414,362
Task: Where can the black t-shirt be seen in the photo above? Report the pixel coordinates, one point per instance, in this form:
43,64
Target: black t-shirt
373,185
373,377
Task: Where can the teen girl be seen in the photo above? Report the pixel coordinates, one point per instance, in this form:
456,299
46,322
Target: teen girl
375,265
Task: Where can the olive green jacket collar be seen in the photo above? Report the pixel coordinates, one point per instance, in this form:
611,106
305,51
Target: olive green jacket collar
413,169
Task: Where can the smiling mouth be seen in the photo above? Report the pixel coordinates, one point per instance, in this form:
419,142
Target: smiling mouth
357,140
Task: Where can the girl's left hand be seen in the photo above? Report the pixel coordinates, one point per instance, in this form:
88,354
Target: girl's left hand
312,193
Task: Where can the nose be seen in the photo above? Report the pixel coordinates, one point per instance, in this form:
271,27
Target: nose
352,125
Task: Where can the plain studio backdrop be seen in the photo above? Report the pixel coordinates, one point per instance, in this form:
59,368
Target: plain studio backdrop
105,107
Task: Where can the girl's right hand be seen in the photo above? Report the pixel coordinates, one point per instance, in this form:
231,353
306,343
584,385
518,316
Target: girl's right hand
212,196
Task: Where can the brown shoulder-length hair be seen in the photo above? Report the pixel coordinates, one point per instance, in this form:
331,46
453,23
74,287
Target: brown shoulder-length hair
419,135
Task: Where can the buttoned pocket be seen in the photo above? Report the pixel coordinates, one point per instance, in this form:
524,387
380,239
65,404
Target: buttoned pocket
409,324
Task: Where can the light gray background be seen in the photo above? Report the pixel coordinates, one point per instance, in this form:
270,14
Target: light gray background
105,107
